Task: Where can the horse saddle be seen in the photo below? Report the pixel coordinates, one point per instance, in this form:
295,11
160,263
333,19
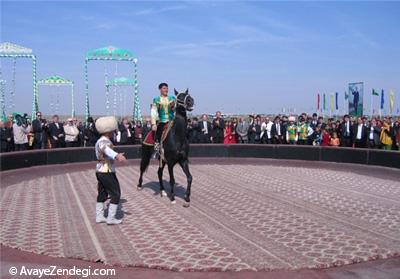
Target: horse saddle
150,138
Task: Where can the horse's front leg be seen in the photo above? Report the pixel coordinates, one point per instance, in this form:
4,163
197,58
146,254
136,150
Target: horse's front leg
160,179
185,167
171,182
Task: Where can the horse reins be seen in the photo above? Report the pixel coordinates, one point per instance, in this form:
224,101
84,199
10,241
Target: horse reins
182,103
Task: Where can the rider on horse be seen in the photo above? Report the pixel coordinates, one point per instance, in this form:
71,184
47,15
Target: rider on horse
163,110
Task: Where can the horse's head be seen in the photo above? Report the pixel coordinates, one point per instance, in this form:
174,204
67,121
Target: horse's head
184,100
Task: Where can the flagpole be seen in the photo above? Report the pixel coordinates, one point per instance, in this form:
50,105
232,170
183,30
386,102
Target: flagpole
372,99
344,104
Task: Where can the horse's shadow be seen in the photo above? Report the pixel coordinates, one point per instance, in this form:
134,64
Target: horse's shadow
179,190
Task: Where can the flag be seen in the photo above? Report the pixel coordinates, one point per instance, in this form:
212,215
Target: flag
391,101
382,99
318,101
336,99
374,93
324,102
332,102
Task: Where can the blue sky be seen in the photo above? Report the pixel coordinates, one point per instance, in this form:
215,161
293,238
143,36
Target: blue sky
234,56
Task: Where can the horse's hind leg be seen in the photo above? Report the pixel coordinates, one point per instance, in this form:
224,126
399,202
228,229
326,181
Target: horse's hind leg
143,166
139,186
171,182
160,179
144,163
185,167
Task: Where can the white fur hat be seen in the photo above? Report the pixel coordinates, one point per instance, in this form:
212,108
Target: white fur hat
106,124
292,118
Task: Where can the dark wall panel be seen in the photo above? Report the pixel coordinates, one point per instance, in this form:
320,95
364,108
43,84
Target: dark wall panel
23,159
384,158
208,150
344,155
251,151
297,152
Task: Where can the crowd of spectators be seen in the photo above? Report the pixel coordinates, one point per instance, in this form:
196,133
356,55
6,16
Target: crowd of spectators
18,133
304,129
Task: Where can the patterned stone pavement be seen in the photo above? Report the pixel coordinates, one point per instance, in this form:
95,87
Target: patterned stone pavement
245,215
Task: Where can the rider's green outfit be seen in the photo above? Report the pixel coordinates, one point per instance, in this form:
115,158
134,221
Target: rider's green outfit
163,110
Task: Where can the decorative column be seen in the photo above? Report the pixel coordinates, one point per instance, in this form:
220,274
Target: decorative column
107,99
2,98
35,103
87,110
11,105
72,100
115,101
137,114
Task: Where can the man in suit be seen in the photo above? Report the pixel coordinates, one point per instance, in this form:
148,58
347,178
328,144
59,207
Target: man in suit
374,135
346,132
5,136
257,128
125,134
205,129
90,133
314,121
242,130
38,129
284,124
146,128
360,134
194,133
251,132
218,126
277,131
56,130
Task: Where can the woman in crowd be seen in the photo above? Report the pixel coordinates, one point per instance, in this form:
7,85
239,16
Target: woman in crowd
326,138
229,135
234,133
386,138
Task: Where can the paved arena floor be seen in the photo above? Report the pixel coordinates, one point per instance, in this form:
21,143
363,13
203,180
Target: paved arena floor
245,215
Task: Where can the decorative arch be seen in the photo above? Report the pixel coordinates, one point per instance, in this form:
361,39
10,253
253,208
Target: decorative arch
56,80
124,81
13,51
112,53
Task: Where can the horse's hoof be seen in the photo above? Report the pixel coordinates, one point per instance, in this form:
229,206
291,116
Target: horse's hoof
186,204
173,202
163,193
139,188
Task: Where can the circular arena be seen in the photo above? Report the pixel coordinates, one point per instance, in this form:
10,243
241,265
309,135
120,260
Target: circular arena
246,214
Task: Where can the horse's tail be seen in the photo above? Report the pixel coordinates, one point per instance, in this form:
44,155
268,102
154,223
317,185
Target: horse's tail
147,152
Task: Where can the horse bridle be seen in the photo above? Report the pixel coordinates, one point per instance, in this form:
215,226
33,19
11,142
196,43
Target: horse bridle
182,103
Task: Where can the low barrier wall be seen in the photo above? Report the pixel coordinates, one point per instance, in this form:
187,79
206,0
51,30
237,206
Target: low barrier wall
24,159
